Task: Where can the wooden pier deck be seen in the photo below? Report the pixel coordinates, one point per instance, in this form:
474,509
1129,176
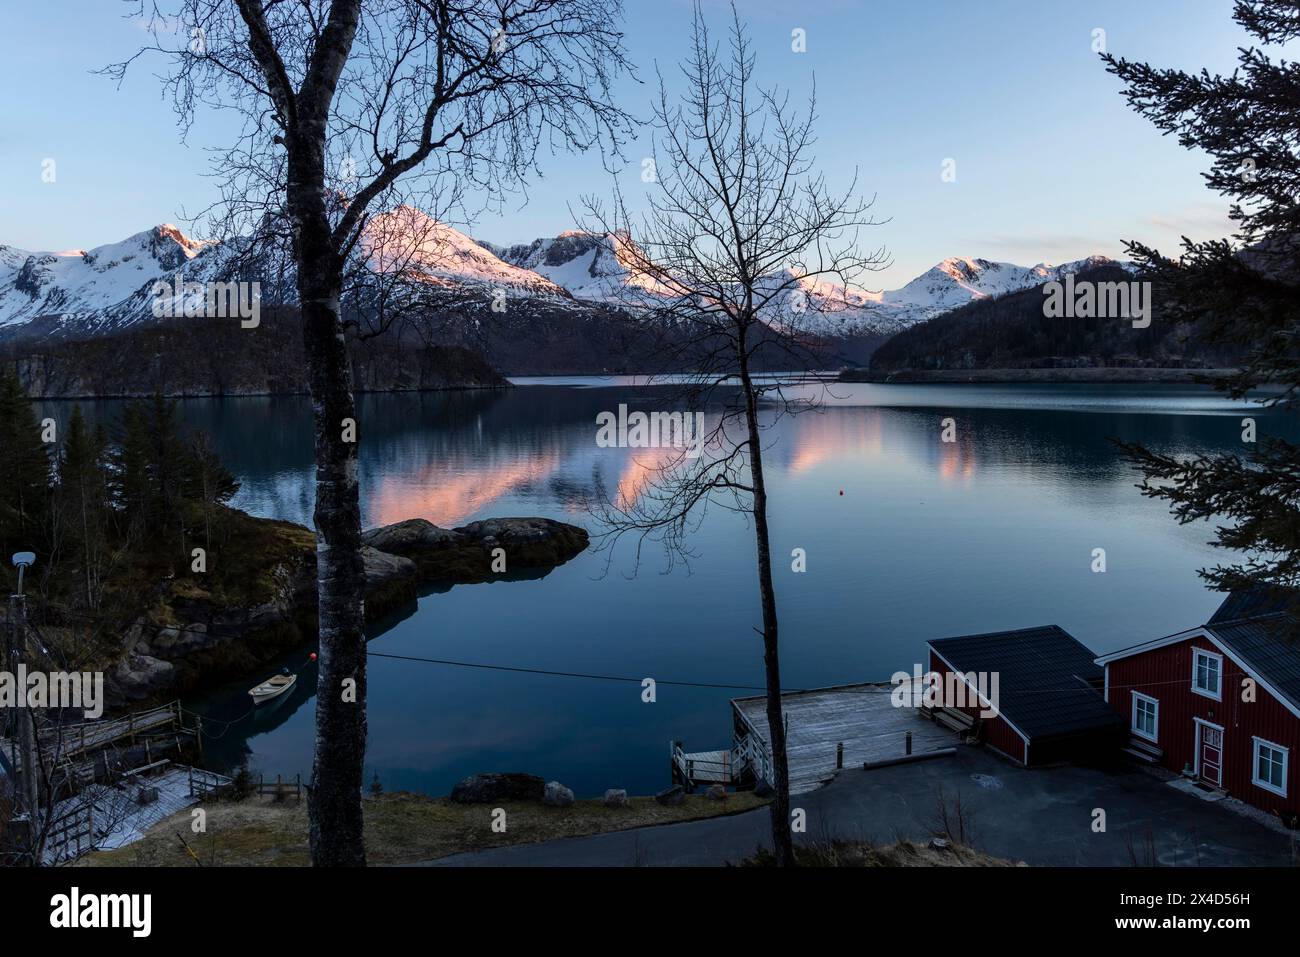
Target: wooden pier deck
74,742
861,716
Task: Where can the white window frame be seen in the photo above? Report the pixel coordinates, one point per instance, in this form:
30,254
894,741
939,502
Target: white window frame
1254,766
1197,655
1133,713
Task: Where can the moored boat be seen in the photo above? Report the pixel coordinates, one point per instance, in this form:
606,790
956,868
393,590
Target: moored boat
272,687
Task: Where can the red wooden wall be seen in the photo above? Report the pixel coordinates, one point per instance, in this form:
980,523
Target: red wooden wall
1166,675
993,731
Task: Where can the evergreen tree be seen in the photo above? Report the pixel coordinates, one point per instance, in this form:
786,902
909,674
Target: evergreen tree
24,468
83,498
129,484
164,485
209,484
133,498
1242,291
168,468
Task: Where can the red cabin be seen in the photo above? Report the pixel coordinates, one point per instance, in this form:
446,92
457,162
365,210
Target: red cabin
1220,703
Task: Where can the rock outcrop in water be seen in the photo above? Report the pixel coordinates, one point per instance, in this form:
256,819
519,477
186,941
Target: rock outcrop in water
465,554
195,636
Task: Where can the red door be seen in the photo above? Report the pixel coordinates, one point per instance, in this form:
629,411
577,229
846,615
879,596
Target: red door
1211,755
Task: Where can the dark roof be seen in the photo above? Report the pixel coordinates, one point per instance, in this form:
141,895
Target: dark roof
1043,678
1257,601
1259,626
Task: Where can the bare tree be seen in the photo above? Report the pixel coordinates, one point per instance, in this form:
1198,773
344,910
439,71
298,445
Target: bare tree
743,243
350,107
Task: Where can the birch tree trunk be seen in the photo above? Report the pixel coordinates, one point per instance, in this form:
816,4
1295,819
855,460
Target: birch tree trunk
335,800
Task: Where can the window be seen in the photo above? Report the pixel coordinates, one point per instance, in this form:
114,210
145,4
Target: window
1146,716
1207,669
1270,767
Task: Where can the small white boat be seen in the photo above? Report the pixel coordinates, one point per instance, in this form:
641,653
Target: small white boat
272,687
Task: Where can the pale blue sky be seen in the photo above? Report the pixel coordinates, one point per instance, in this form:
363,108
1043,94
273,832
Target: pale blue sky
1051,165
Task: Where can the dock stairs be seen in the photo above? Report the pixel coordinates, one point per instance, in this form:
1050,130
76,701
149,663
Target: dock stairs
1143,751
744,763
953,720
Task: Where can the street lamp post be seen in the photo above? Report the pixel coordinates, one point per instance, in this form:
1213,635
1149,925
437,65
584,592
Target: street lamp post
29,780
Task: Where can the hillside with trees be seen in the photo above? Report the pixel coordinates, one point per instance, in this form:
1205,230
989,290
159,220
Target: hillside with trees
198,357
132,529
1012,332
100,502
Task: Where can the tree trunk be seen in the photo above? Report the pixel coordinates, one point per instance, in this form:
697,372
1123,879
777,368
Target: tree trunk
782,842
85,542
36,821
335,799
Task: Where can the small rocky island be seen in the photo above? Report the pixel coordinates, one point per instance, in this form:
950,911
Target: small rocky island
201,631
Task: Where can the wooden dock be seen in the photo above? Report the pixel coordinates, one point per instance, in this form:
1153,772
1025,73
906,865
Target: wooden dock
75,743
72,740
107,816
846,726
862,717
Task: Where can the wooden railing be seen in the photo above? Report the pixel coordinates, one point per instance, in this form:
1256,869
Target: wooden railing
71,835
203,783
706,769
72,739
752,754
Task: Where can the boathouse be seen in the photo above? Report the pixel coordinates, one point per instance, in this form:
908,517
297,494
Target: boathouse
1219,703
1035,694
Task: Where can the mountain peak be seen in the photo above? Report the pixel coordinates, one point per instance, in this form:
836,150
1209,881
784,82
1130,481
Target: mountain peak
1087,262
169,231
964,268
107,287
410,241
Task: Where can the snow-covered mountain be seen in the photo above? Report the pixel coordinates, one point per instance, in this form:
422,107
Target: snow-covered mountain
955,282
593,266
590,267
101,289
408,241
97,291
942,288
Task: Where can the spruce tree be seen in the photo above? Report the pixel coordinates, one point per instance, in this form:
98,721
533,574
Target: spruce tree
83,499
208,484
24,469
152,466
130,482
1242,292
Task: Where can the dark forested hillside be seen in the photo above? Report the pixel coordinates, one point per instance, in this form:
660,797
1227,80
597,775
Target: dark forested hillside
218,357
456,348
1012,332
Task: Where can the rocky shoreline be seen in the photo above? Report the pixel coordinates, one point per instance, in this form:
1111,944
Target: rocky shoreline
198,641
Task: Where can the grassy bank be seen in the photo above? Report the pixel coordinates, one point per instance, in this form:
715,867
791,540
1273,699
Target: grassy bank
400,829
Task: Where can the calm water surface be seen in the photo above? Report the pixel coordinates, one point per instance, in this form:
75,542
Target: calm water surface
926,540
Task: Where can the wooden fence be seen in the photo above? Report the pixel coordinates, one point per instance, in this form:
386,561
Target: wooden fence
280,788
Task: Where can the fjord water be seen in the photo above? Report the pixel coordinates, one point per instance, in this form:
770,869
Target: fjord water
907,538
